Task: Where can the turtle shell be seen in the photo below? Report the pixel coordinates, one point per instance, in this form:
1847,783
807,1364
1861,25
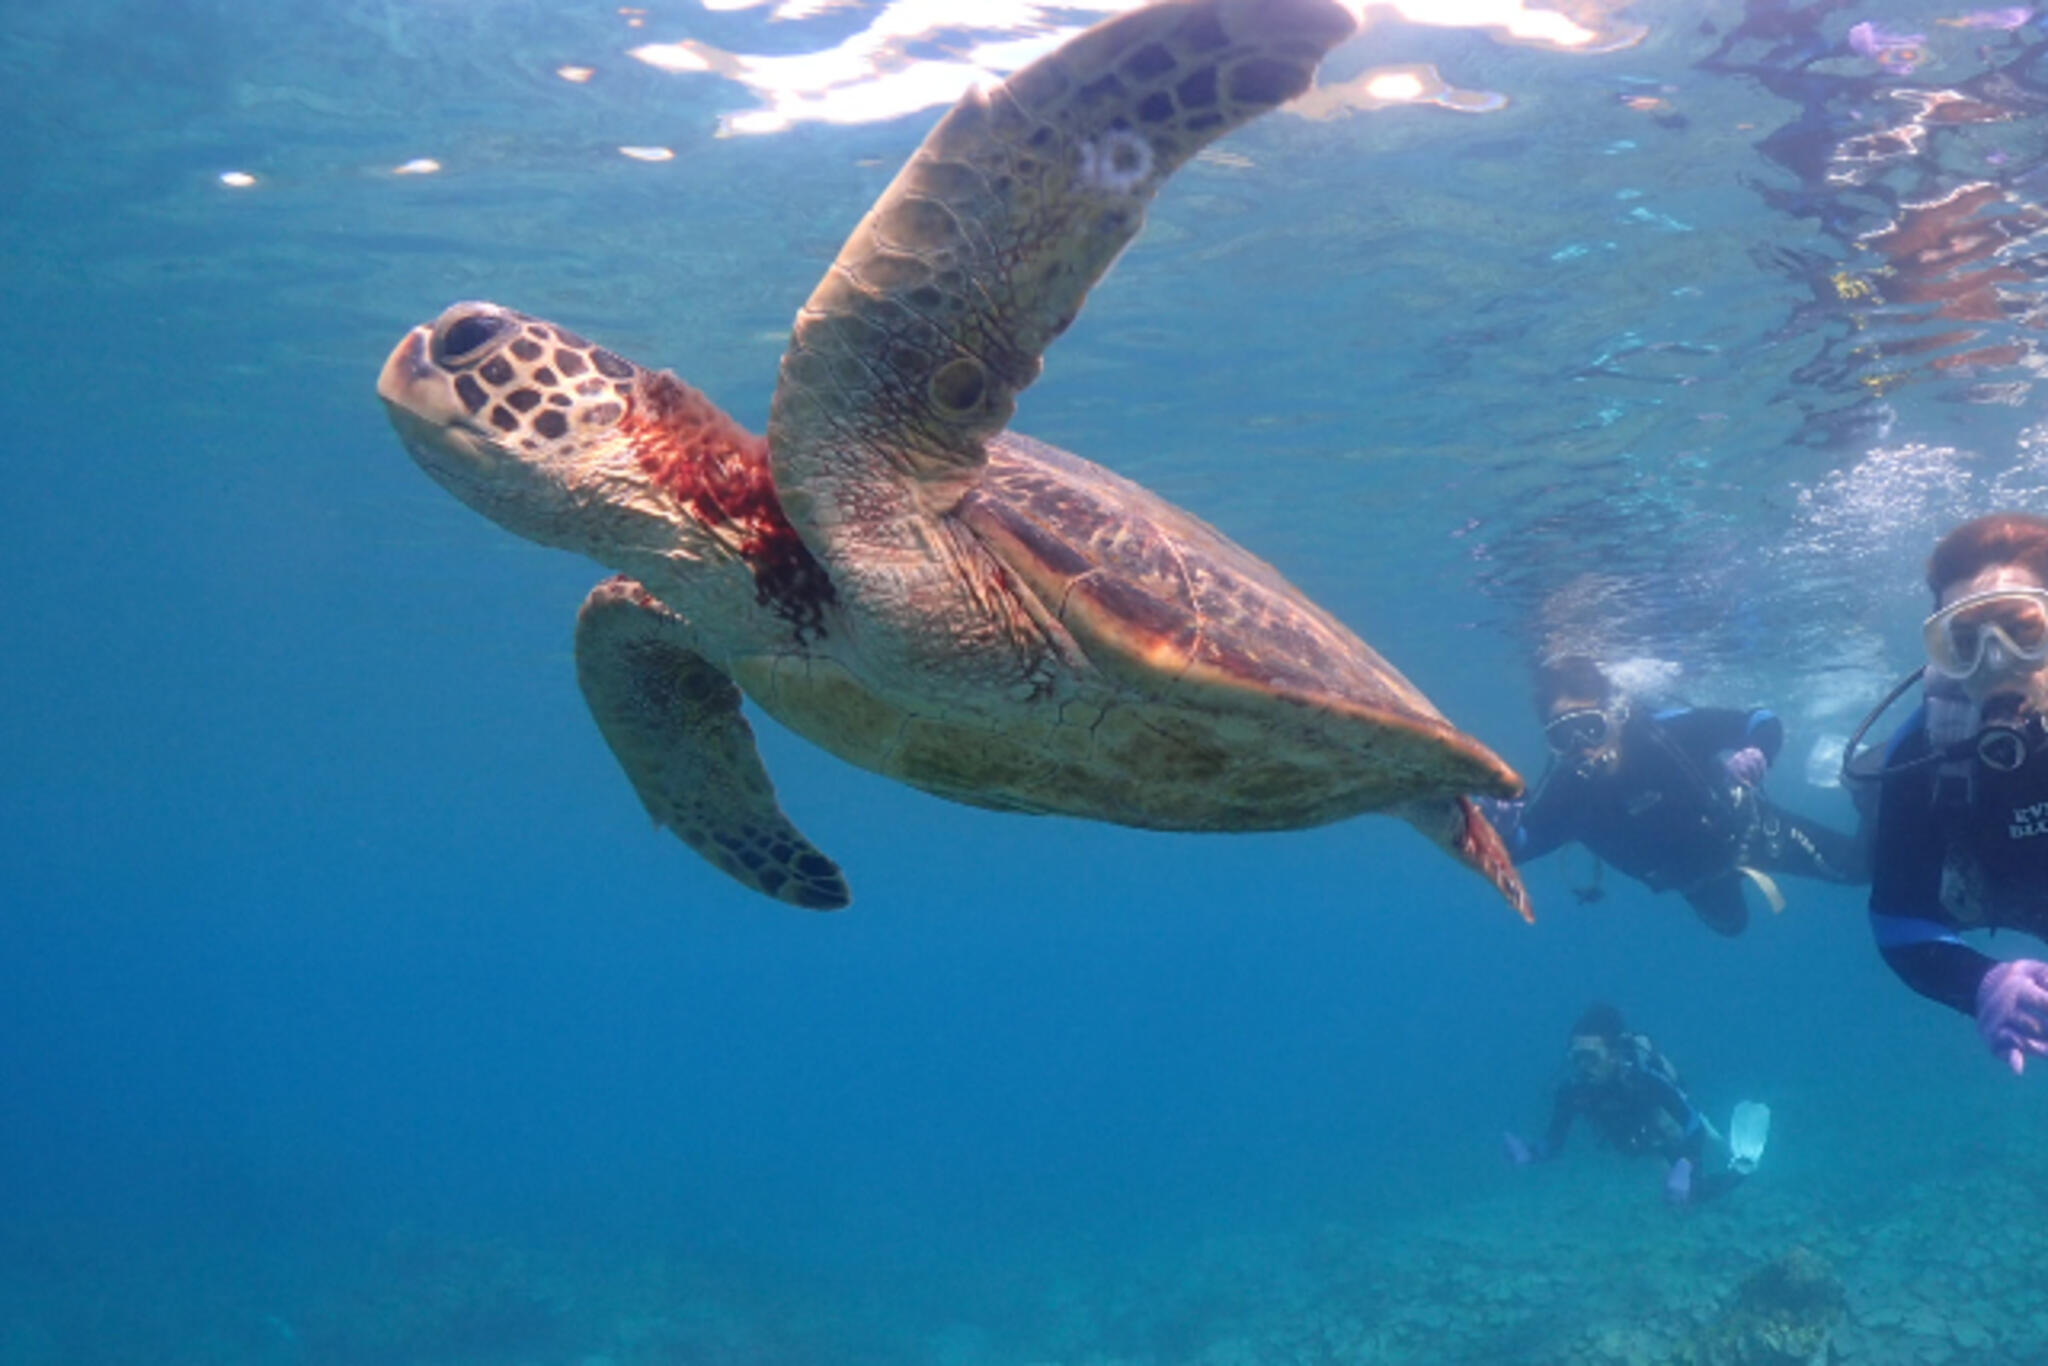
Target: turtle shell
1181,615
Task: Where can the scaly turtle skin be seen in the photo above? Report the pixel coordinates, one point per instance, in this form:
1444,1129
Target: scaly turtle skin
896,577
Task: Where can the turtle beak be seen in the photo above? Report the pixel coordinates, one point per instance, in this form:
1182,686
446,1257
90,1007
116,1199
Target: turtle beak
406,368
430,420
419,401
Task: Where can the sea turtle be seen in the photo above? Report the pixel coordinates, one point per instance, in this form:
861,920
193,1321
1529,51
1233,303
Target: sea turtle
898,578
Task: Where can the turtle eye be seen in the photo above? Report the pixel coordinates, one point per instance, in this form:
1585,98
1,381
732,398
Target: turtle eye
460,340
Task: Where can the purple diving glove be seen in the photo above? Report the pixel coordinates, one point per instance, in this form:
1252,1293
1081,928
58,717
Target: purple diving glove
1519,1153
1747,766
2012,1011
1678,1182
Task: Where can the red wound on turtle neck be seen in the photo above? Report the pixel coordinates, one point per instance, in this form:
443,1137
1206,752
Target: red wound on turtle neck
718,473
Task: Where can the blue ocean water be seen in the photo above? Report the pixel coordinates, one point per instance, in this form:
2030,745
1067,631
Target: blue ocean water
351,1012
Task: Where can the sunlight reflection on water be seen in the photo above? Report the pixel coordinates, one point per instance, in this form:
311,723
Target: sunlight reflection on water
918,54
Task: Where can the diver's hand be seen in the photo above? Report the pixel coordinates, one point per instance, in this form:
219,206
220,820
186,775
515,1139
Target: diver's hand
1747,766
1519,1153
1678,1182
2012,1011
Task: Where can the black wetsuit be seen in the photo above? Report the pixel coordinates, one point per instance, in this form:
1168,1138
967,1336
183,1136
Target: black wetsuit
1670,817
1987,837
1640,1108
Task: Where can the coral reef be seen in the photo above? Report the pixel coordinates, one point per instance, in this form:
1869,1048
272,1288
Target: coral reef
1830,1265
1781,1315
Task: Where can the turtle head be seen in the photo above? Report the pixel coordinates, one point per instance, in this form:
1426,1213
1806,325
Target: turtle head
518,418
567,444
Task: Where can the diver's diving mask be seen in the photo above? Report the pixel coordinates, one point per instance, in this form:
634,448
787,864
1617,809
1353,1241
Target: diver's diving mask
2005,630
1581,732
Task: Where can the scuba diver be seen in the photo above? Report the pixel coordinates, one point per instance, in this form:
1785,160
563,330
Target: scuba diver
1630,1093
1669,797
1962,791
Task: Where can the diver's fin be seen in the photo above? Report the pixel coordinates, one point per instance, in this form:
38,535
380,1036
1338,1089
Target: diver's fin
1748,1130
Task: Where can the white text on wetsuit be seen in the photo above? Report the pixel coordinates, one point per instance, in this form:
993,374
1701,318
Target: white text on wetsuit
2028,821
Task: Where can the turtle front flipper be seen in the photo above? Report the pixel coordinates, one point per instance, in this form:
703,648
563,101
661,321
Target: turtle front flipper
912,350
674,722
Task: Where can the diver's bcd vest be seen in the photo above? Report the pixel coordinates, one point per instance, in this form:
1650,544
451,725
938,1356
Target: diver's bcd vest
1995,842
1993,820
1728,814
1644,1057
1732,814
1648,1129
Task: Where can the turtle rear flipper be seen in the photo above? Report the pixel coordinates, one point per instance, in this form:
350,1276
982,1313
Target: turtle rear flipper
912,350
673,720
1456,826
